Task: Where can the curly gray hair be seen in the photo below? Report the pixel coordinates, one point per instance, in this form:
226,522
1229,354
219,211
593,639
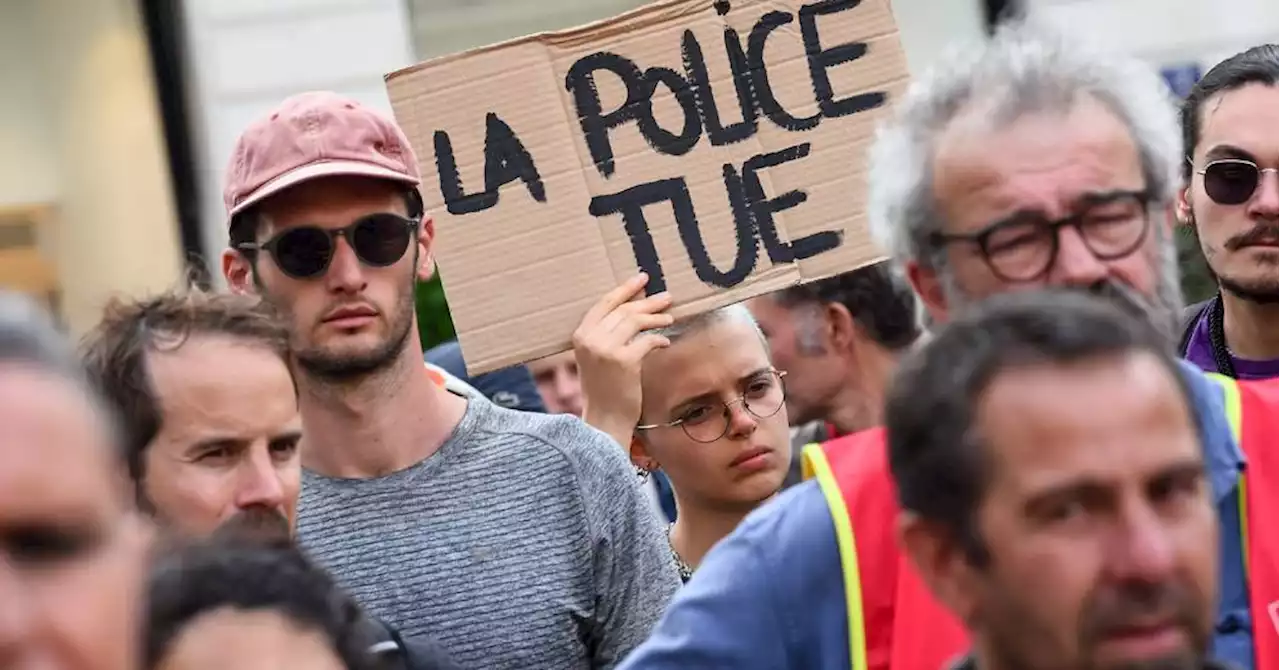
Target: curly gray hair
1026,67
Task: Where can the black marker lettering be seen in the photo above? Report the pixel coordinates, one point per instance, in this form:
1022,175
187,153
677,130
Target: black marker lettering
763,208
695,67
506,159
662,140
630,204
820,60
764,94
744,260
580,82
456,200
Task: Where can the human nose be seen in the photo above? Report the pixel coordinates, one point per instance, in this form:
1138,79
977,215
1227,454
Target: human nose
346,274
1075,263
741,422
1144,550
15,614
259,483
1265,203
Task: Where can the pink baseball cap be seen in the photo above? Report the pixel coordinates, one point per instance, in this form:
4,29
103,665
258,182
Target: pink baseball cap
310,135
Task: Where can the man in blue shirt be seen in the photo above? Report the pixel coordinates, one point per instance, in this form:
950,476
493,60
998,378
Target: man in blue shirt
1028,162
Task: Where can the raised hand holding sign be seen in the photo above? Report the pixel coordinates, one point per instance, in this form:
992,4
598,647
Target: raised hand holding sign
717,147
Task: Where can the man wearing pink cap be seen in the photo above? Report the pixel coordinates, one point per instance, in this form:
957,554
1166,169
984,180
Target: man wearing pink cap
518,540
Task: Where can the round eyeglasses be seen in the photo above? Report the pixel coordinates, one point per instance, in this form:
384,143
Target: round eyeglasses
305,252
1024,247
708,420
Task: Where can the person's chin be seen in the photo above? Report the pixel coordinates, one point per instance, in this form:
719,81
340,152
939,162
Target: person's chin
352,343
761,487
1167,648
1258,284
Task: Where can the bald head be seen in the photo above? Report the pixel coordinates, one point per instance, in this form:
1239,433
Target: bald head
736,313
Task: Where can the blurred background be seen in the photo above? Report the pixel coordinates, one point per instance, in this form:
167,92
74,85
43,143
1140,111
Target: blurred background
117,116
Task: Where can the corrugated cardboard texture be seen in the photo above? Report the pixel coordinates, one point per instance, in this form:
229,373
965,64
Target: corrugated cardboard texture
524,256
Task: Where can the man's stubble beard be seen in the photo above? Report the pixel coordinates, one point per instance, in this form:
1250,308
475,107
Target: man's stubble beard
259,525
321,364
1017,637
1263,292
344,368
1162,310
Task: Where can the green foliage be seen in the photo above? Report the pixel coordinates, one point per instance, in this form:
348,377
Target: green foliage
434,323
1198,282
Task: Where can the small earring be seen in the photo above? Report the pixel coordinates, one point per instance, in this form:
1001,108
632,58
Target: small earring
647,466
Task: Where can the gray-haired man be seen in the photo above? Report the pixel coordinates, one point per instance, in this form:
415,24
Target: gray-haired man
1026,163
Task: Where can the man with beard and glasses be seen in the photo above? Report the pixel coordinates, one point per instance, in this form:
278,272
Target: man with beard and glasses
1072,534
202,384
1026,162
1231,134
519,539
73,552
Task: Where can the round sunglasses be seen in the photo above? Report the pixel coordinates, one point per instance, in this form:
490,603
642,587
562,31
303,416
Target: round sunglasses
1232,181
304,252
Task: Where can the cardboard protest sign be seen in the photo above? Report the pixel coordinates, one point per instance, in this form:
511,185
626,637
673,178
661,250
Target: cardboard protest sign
718,146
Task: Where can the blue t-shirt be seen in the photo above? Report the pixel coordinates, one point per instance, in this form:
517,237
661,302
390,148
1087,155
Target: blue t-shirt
770,595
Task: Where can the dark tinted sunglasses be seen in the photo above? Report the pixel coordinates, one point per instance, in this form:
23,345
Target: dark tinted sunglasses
1232,181
304,252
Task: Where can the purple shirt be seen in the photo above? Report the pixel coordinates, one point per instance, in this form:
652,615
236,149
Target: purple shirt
1200,352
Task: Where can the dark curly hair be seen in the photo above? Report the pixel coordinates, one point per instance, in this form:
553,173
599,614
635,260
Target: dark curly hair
881,304
251,576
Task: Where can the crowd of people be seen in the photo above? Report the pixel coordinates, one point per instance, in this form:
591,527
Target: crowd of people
1068,469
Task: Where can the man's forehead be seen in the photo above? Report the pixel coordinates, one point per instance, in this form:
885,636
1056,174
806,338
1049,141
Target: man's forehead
38,405
218,379
1114,412
1032,140
210,357
26,390
331,200
1039,159
1245,118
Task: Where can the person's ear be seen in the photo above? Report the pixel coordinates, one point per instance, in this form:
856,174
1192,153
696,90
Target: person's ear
928,287
238,271
426,263
640,457
942,564
840,328
1183,213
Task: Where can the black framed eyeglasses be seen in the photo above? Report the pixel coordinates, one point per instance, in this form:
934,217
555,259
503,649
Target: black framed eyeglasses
708,421
1024,247
1232,181
304,252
